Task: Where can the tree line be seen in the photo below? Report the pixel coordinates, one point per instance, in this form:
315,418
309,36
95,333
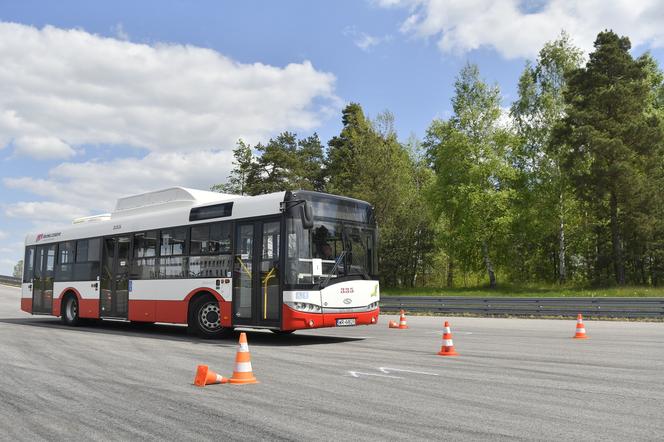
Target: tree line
565,187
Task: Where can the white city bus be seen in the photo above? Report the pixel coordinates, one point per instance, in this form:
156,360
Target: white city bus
283,261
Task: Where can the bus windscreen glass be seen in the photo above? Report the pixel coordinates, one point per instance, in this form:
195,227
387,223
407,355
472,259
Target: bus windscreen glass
343,238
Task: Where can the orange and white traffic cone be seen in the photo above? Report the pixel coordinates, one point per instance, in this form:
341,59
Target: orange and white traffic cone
393,324
447,349
580,328
205,376
402,321
243,374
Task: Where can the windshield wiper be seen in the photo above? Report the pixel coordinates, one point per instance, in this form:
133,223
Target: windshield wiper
323,284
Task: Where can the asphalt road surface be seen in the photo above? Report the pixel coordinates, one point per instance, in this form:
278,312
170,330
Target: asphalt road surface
515,379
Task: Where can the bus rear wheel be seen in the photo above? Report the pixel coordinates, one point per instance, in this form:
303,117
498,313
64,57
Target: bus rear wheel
69,313
205,318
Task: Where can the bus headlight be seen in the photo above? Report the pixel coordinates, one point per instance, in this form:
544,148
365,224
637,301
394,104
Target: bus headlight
304,307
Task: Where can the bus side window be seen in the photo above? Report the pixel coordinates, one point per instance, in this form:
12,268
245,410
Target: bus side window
144,265
210,248
172,263
64,270
88,254
220,235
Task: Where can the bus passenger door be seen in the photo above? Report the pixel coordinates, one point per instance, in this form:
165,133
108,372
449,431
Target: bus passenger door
256,276
268,266
42,286
114,293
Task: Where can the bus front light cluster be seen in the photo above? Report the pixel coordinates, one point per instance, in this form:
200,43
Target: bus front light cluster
304,307
373,305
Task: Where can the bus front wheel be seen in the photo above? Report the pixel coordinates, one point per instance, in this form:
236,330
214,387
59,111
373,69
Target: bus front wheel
205,318
69,313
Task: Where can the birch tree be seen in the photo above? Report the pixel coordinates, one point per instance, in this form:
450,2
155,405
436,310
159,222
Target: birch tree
470,156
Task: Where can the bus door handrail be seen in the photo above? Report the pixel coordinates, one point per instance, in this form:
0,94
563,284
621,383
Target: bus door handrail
265,281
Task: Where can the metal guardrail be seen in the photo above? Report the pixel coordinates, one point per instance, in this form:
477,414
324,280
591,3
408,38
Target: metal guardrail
10,280
592,307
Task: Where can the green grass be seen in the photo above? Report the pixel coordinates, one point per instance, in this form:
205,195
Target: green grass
507,290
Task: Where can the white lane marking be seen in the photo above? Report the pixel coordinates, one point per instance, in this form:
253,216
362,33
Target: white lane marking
388,370
357,374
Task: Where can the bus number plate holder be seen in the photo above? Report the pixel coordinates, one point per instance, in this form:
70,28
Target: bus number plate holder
345,322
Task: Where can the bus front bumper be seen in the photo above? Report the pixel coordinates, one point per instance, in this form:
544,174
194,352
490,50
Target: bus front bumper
295,320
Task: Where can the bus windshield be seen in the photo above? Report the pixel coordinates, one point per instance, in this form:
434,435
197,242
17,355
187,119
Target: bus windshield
342,241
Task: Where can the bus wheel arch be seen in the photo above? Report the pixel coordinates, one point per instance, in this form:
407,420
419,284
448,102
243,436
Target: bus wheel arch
70,309
204,316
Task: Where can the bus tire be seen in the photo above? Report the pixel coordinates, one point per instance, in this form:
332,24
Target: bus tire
69,312
205,318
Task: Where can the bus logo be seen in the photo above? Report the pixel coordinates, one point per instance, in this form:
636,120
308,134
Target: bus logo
47,236
347,301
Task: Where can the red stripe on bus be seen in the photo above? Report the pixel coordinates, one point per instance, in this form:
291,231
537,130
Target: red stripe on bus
88,308
170,311
26,304
151,310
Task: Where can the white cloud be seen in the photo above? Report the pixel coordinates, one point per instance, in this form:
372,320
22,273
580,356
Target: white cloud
363,40
13,248
3,234
42,147
43,211
79,189
366,41
63,89
519,28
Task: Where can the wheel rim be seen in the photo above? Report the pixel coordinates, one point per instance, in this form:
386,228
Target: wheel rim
71,310
209,317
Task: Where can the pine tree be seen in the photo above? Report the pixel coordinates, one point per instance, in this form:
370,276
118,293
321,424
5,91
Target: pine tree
243,164
283,163
346,148
612,138
311,160
277,165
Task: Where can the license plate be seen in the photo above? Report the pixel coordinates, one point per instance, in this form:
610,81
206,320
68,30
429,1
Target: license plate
345,322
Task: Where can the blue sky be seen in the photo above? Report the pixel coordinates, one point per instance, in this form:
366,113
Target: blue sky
102,100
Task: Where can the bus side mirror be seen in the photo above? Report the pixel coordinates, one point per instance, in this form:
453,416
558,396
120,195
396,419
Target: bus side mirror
307,216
